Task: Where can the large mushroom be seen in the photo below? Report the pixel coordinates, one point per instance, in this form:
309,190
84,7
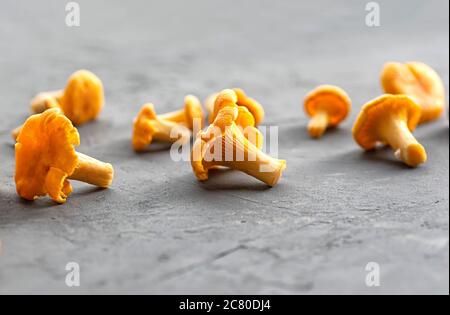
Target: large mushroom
418,81
46,159
328,106
390,120
223,144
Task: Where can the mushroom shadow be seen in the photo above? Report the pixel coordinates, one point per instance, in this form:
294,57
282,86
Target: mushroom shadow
38,204
88,191
121,149
299,134
231,180
383,155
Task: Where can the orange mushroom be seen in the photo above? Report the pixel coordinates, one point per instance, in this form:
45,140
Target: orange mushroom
328,106
251,104
244,120
187,116
223,144
390,120
46,159
418,81
81,101
148,127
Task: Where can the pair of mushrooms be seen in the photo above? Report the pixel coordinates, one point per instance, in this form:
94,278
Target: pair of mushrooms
416,95
45,145
232,141
81,101
232,134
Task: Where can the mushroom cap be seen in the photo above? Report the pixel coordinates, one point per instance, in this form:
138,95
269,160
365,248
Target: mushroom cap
45,156
242,99
245,118
143,130
419,81
331,99
228,98
83,97
193,110
251,104
374,112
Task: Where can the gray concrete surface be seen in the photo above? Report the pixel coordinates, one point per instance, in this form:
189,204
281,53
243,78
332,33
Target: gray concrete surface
158,230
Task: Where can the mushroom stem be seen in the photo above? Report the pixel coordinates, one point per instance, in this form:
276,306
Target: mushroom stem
169,131
92,171
248,158
397,134
318,124
265,168
15,133
178,116
40,102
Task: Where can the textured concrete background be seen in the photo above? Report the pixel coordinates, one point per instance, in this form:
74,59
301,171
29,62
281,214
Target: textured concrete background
157,230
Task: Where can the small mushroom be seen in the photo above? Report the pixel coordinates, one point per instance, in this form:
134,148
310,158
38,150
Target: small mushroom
187,116
390,120
148,127
418,81
251,104
46,159
223,144
328,106
81,101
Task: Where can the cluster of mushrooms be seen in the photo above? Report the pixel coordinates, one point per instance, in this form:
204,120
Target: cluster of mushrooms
45,145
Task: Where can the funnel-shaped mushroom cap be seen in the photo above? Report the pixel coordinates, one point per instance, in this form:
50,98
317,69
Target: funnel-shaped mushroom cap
143,129
243,100
370,127
83,97
45,156
331,100
419,81
193,111
224,144
229,98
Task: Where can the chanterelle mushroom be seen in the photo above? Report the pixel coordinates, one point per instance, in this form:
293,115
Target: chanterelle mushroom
148,127
224,144
81,101
390,119
419,81
251,104
328,106
46,159
189,115
244,120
